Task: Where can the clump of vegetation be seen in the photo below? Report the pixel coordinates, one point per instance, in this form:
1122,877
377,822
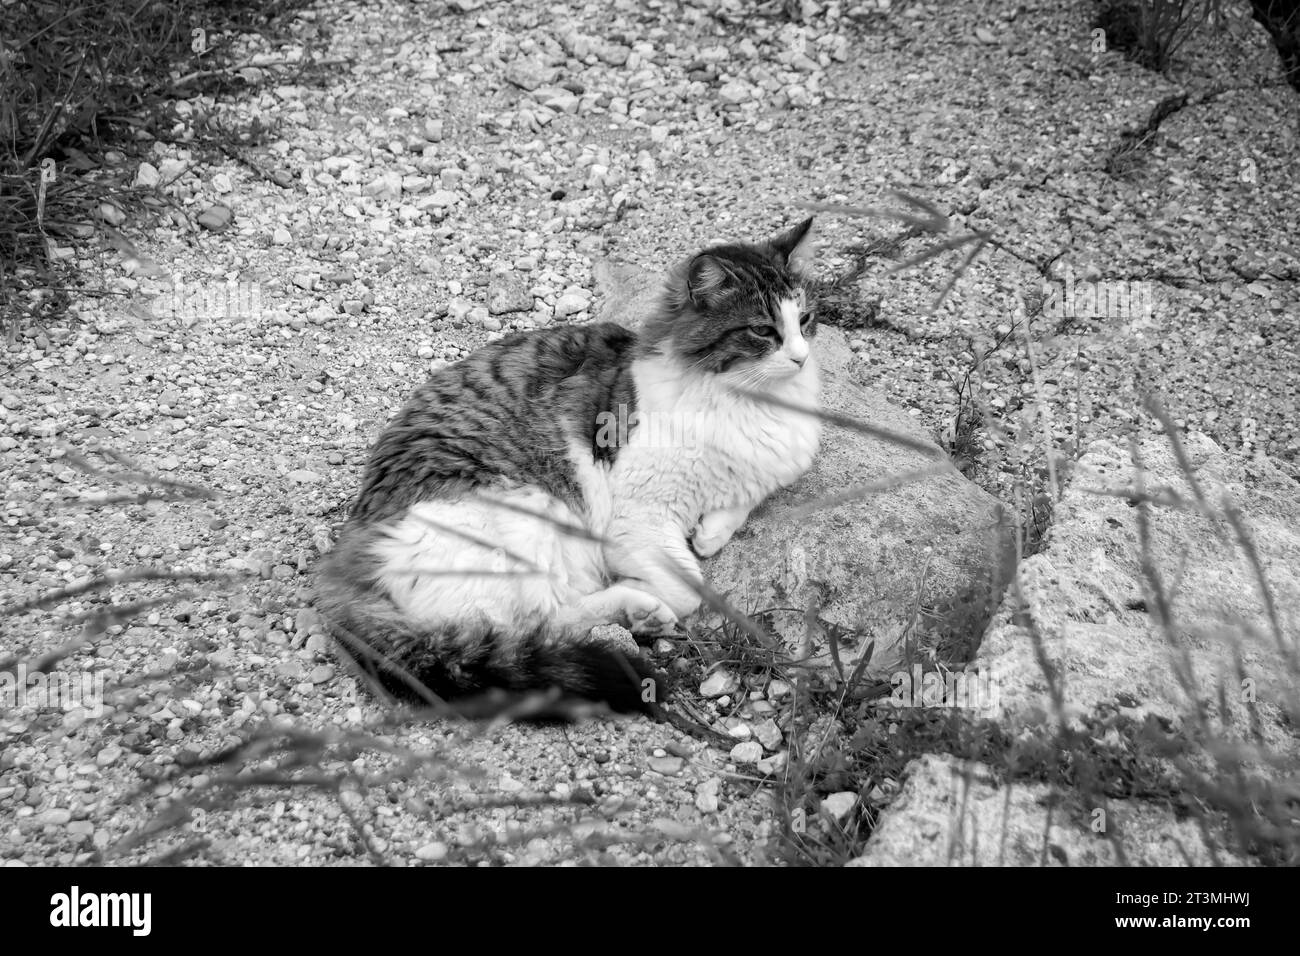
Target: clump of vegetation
1281,18
76,78
1152,31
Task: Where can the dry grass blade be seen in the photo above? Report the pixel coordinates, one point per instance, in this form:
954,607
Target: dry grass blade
860,668
939,220
872,212
475,539
1163,497
721,605
188,850
938,249
1153,405
832,642
133,474
933,221
138,498
863,490
103,618
466,573
1051,673
95,623
846,421
112,580
189,78
979,240
357,648
1160,603
42,138
569,528
1247,544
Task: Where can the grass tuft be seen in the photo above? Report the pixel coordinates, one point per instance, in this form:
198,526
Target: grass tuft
81,83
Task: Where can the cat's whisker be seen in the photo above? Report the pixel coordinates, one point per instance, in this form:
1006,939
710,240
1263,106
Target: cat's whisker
746,379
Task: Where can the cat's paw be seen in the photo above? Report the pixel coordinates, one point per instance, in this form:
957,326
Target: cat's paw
647,616
707,542
715,529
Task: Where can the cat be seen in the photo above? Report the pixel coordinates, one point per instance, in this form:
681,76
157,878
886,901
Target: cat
563,478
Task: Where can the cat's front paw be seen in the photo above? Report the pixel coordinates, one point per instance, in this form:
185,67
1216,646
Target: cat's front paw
647,616
715,529
707,543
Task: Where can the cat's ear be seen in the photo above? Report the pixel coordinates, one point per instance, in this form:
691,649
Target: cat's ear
794,247
706,279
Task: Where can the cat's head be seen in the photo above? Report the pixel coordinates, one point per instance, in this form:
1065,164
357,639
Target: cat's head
741,310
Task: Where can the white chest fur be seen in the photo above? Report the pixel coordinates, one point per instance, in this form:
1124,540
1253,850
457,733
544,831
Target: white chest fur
696,445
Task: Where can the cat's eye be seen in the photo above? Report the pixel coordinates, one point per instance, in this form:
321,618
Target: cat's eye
764,331
805,319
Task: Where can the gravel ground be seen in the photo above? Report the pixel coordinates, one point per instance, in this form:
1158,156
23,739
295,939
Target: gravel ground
459,180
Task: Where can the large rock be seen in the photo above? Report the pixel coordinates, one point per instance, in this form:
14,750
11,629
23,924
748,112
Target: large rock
954,813
937,543
1086,605
1128,688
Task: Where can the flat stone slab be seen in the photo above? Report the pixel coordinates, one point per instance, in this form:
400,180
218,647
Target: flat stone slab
954,813
1086,610
1086,602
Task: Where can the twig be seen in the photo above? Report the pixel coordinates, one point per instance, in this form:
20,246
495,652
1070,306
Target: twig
51,598
219,71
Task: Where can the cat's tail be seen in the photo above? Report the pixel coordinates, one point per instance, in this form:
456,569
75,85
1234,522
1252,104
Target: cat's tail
410,661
